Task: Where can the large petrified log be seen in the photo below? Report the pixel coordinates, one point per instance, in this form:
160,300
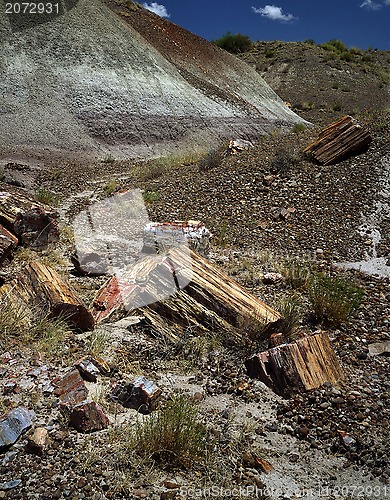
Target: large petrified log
32,222
8,242
303,365
339,141
209,300
40,286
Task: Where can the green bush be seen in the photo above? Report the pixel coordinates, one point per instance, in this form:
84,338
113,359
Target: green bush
298,127
290,310
172,436
235,44
333,299
336,46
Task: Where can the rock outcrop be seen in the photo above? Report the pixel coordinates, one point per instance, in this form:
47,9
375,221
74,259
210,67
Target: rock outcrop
104,78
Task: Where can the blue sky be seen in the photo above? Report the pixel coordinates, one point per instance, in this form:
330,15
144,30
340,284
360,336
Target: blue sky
359,23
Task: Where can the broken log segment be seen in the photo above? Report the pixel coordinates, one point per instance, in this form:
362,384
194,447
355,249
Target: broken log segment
40,286
8,242
303,365
340,140
32,222
209,296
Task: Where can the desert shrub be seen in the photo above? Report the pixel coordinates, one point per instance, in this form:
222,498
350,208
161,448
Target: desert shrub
32,326
337,106
269,53
298,127
108,159
173,435
2,174
346,56
367,58
235,44
151,196
289,308
44,195
297,272
213,158
356,51
309,41
110,187
333,299
283,162
336,46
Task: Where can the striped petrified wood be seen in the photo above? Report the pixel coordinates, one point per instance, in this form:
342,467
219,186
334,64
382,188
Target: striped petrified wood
339,141
302,365
40,287
8,242
33,223
210,300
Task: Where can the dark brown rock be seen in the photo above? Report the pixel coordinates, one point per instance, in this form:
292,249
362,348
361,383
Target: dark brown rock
71,388
88,417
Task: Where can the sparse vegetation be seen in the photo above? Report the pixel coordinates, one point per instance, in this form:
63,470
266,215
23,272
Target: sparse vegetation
32,326
298,128
213,158
44,195
110,187
290,310
234,44
2,174
151,196
108,159
297,272
173,435
333,299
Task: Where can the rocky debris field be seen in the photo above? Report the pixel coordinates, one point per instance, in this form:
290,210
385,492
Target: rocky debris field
261,205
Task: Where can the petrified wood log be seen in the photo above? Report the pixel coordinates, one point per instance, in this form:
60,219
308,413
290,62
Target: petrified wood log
210,299
303,365
41,286
8,242
339,141
33,223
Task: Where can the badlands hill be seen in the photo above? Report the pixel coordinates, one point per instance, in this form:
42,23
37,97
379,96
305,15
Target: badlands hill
108,79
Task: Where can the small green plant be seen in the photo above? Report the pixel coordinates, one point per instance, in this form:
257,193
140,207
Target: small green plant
336,46
298,128
337,106
97,342
333,299
309,41
108,159
45,196
172,436
335,85
289,308
110,187
236,44
2,174
269,53
297,272
222,237
151,196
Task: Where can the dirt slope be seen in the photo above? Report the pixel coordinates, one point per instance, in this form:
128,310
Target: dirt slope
120,84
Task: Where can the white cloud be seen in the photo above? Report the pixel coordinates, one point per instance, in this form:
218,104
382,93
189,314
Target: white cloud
158,9
275,13
370,4
374,5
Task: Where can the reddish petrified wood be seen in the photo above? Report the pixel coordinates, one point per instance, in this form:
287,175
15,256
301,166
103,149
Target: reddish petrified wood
32,222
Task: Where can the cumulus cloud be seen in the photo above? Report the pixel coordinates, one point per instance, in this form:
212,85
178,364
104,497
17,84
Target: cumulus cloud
275,13
158,9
